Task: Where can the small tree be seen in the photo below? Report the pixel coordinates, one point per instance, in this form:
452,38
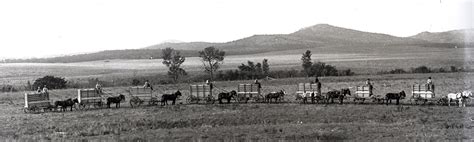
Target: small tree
211,58
51,82
306,62
265,67
173,60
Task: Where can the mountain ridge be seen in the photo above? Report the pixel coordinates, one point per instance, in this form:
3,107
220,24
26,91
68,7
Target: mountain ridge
320,37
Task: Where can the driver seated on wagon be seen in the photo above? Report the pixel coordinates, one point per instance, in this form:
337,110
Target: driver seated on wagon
147,85
98,88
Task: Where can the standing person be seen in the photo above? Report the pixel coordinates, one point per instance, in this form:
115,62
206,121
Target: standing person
259,86
98,88
211,86
147,85
368,83
429,84
318,89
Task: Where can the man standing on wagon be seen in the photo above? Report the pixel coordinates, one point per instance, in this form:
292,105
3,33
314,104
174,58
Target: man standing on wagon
370,86
429,84
318,89
211,86
259,86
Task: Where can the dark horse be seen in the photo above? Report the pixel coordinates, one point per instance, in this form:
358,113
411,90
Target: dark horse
64,104
170,97
338,95
228,96
116,100
275,95
394,96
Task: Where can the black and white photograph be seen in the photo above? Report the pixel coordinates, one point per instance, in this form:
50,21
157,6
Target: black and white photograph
236,70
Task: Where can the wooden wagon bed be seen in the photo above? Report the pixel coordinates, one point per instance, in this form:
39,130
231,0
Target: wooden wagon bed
200,93
140,95
246,92
35,102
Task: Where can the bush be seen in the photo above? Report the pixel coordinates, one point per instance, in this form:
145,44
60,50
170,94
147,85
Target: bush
51,82
135,82
421,69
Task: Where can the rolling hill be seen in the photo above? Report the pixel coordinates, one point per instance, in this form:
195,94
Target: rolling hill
323,38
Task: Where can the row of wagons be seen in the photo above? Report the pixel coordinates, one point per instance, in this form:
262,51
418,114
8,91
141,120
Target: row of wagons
91,98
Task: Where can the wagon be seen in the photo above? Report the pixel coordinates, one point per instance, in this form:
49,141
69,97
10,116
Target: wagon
200,93
362,93
89,98
140,95
421,92
306,89
35,102
246,92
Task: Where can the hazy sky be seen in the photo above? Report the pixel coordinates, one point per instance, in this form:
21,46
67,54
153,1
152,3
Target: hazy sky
39,28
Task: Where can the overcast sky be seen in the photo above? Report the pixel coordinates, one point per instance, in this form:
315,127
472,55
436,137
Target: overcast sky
41,28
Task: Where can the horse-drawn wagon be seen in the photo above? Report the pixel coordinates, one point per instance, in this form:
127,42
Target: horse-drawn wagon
140,95
200,93
35,102
88,98
246,92
306,90
362,93
423,92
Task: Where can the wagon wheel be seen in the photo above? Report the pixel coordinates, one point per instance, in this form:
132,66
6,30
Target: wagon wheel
98,104
210,100
153,101
259,98
189,100
81,106
26,110
135,101
241,98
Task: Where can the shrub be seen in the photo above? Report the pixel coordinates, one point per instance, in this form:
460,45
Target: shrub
135,82
51,82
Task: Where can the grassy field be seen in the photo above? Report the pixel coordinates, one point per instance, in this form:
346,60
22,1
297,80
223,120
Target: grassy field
251,122
368,62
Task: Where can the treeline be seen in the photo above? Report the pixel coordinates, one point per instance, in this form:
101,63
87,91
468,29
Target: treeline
103,55
423,69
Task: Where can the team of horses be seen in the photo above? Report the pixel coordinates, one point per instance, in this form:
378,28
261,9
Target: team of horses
275,97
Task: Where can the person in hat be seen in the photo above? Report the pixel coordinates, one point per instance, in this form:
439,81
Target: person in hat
147,85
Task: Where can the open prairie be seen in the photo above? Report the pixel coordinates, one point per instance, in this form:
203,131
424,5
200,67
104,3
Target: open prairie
253,121
359,62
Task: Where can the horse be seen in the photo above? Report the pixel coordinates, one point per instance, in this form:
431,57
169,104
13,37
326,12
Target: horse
340,94
459,97
278,96
394,96
64,104
116,100
170,97
228,96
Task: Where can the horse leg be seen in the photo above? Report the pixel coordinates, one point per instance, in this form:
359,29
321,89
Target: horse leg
398,101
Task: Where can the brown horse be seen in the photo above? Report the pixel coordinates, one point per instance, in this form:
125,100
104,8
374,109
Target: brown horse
115,100
170,97
278,96
338,94
228,96
394,96
64,104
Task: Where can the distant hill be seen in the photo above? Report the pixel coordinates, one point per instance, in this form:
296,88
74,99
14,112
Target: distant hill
103,55
459,38
322,38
